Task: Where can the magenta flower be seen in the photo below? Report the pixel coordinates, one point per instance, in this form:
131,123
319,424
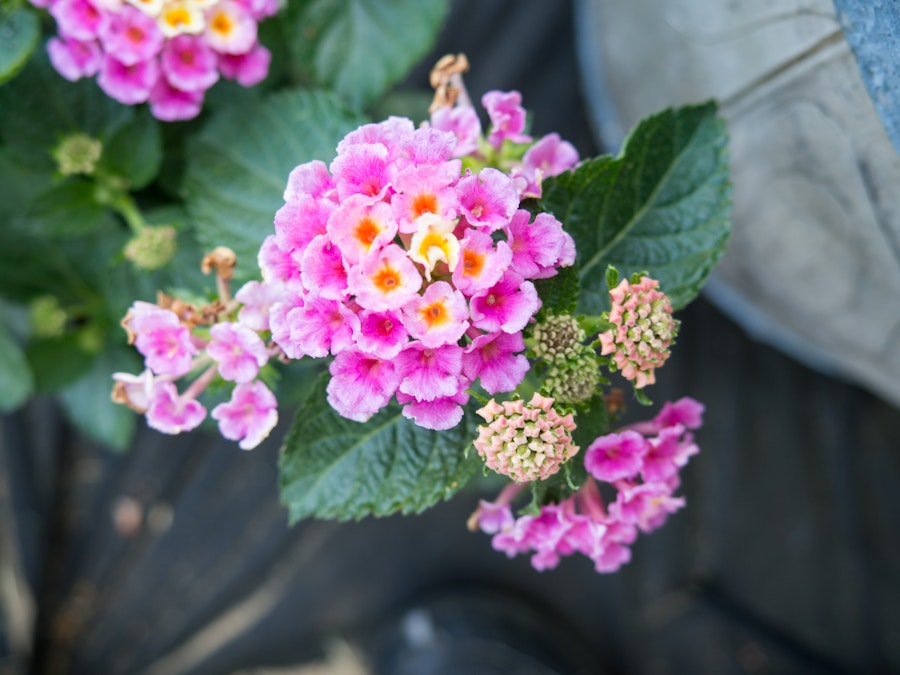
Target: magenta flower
489,199
131,35
173,414
361,384
646,505
78,19
170,104
277,263
550,156
363,169
481,264
248,69
74,59
249,416
127,84
442,412
238,350
324,271
316,328
426,373
381,334
437,317
189,64
507,117
300,221
493,358
684,411
539,247
506,306
616,456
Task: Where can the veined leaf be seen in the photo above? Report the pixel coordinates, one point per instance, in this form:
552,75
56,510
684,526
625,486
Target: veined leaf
238,166
332,467
19,34
16,382
663,205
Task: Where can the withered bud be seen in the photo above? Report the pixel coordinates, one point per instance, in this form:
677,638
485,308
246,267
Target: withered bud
222,259
615,401
446,79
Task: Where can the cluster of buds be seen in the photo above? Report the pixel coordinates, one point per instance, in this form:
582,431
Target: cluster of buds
642,329
165,52
572,374
525,441
639,465
414,274
178,339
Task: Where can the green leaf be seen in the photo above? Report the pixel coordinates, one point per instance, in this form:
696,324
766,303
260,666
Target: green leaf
67,209
238,166
135,151
57,362
88,405
16,383
331,467
19,33
30,266
360,48
559,293
663,205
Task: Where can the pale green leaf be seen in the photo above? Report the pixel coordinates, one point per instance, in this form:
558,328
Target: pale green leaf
19,34
16,383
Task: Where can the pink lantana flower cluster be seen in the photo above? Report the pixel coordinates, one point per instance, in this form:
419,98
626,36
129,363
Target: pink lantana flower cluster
171,349
414,274
638,469
165,52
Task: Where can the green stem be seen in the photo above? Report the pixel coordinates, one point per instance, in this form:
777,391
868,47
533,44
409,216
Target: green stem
129,211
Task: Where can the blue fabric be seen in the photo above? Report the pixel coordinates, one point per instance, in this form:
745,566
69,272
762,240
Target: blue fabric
872,28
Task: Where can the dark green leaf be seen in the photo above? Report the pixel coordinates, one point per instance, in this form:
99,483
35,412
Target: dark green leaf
57,362
331,467
30,266
559,293
591,424
16,383
663,205
67,209
360,48
238,166
19,33
135,151
88,405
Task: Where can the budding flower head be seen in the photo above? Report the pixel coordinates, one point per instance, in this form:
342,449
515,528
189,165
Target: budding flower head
47,317
525,441
558,338
152,247
77,154
574,381
643,329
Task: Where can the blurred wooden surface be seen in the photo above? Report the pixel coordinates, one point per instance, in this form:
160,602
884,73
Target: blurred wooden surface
176,559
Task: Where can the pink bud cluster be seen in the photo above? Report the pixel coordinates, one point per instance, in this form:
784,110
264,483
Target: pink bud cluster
414,275
525,441
165,52
549,156
171,350
639,465
643,330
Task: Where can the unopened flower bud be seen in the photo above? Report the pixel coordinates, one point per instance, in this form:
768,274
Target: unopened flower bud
525,441
77,154
574,381
153,247
643,330
48,318
558,339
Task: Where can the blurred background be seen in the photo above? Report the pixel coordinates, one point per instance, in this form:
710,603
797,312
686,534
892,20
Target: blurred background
176,557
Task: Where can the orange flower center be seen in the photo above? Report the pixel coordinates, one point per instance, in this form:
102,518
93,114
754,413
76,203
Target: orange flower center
473,263
366,231
435,314
424,204
387,280
222,23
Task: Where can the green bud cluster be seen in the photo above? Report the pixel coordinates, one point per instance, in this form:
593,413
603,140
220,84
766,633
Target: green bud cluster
77,154
558,339
47,317
574,381
152,247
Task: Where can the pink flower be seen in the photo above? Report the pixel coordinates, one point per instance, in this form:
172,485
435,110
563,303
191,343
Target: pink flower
493,358
135,391
74,59
426,373
277,263
381,334
315,328
463,122
646,505
481,265
301,220
230,29
437,317
550,156
189,64
684,411
388,133
667,453
506,306
361,228
387,280
427,189
238,350
78,19
363,169
248,69
127,84
171,413
324,273
361,384
131,36
308,180
429,146
616,456
165,344
507,117
443,412
539,247
487,200
249,416
170,104
256,299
